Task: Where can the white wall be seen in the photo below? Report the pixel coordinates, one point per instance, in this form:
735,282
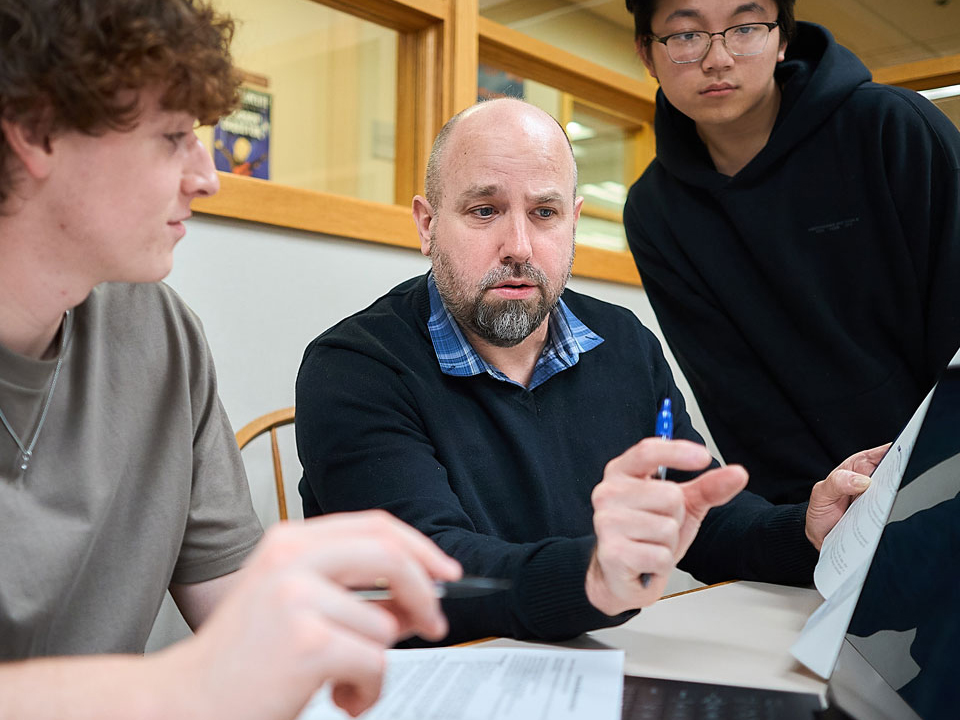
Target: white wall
263,293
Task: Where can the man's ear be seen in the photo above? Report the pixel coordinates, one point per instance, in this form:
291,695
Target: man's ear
31,146
423,216
646,57
782,52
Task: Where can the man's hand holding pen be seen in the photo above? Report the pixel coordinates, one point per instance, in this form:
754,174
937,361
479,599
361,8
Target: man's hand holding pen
644,526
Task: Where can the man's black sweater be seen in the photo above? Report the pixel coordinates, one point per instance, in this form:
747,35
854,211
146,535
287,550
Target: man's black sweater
500,476
812,299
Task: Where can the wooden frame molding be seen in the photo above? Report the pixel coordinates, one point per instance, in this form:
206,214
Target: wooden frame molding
267,202
922,75
419,108
400,15
515,52
440,45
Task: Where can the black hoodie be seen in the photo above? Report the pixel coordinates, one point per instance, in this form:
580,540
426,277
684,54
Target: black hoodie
812,298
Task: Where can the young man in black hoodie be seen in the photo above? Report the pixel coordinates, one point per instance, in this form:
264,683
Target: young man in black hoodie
798,235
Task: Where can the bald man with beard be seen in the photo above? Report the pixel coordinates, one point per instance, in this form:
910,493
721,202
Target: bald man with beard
510,418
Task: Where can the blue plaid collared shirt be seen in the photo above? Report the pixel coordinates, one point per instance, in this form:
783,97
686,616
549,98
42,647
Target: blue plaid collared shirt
567,338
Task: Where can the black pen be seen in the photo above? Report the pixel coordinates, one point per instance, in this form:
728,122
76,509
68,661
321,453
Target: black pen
465,587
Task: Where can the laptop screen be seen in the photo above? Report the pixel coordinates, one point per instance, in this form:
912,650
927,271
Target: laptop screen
907,620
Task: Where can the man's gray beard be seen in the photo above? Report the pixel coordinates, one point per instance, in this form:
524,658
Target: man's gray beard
509,322
505,323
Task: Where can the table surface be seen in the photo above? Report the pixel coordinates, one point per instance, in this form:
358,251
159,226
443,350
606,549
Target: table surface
738,633
735,633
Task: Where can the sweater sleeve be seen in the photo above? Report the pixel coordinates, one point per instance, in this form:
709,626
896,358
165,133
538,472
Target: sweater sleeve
362,444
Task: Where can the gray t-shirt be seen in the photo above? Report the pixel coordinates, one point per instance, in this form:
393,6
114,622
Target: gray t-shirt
135,481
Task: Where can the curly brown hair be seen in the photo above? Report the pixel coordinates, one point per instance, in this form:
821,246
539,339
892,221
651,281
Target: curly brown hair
70,64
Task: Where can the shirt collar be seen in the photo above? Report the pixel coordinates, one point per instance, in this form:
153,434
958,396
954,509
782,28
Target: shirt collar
566,340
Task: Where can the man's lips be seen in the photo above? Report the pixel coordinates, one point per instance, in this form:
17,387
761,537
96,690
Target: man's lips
514,288
718,89
514,283
179,229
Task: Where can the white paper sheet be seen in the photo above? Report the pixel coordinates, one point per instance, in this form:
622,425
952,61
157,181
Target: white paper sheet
496,683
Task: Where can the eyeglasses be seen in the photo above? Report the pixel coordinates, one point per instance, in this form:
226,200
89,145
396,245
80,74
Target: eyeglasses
739,40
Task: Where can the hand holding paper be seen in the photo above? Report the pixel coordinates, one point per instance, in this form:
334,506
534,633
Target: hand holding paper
831,497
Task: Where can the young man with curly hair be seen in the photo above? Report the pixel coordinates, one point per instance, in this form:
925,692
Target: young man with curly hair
119,473
798,235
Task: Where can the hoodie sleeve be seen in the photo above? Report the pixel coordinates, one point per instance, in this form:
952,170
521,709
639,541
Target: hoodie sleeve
921,158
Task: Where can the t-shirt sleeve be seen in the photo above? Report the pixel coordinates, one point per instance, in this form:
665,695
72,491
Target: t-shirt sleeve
222,527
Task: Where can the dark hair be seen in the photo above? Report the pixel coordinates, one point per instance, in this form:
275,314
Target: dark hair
68,64
642,11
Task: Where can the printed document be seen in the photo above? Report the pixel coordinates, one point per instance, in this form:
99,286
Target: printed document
492,684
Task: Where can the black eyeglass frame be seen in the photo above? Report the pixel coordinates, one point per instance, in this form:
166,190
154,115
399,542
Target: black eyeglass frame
710,35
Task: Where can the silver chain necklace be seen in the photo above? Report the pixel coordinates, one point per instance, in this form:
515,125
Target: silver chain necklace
26,453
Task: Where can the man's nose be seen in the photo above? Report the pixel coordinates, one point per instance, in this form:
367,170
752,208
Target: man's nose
200,177
717,57
515,246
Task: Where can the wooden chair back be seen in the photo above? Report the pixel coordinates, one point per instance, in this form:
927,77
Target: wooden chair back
269,423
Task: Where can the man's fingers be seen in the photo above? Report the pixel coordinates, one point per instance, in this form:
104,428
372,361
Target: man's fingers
355,667
362,618
624,493
630,559
838,484
383,525
712,488
364,562
368,550
866,462
643,459
637,526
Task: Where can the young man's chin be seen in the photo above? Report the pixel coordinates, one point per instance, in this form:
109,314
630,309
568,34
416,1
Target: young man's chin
147,272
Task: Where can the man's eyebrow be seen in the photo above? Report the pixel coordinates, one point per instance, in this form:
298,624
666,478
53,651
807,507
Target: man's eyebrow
683,13
695,14
548,198
477,192
748,7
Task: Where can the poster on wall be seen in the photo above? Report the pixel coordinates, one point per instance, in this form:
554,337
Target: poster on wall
241,140
495,83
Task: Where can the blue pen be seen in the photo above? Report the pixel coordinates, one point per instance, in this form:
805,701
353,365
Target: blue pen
664,430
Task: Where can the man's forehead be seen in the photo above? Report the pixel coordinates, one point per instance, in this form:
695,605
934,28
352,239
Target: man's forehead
534,191
488,160
680,11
